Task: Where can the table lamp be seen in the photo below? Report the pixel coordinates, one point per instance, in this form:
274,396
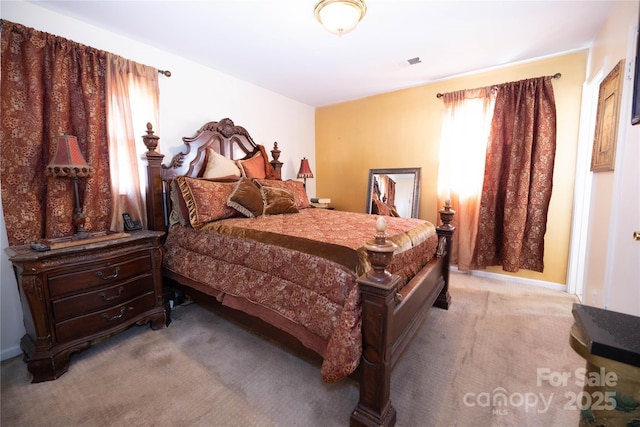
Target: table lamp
68,162
305,171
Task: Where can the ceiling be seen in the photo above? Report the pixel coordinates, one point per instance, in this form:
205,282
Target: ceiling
279,45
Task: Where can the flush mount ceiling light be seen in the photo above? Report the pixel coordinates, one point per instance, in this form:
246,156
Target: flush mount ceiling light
340,16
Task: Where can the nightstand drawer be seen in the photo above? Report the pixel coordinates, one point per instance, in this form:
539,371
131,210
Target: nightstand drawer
99,274
76,305
83,326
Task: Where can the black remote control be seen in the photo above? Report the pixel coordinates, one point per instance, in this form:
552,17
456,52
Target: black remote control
40,247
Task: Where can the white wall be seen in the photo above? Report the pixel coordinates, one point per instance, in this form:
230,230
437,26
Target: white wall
192,96
613,258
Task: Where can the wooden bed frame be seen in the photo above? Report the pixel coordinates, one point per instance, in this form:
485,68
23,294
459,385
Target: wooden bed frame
388,321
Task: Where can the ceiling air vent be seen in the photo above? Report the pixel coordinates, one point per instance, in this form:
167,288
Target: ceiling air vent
414,61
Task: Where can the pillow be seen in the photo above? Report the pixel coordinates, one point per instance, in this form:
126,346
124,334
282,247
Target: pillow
219,166
278,201
206,200
253,167
296,187
246,198
179,212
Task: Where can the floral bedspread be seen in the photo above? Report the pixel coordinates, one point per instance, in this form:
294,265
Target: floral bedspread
301,267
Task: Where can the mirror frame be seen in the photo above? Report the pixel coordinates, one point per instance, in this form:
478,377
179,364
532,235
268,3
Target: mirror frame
415,209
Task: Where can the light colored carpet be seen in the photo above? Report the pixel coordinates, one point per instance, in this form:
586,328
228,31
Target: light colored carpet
206,371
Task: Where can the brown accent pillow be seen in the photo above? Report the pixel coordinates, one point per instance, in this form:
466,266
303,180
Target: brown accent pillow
253,167
278,201
206,200
179,212
246,198
296,187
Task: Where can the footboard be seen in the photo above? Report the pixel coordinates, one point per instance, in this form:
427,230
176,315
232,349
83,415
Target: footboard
389,321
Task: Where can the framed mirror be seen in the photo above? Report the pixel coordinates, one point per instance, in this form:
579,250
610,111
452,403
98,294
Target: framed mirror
394,192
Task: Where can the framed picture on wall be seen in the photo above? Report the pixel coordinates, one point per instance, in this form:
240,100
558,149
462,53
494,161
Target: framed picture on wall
604,144
635,107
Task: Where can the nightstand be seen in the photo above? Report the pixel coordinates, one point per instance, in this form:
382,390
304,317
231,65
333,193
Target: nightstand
324,202
322,206
74,296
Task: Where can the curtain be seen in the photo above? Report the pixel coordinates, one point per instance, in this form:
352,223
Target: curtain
465,132
49,86
132,100
518,176
391,192
387,190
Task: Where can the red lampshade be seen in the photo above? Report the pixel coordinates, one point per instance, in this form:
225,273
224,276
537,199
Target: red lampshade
305,170
68,160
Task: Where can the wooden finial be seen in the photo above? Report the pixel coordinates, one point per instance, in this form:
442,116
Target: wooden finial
446,215
380,252
275,153
276,163
150,140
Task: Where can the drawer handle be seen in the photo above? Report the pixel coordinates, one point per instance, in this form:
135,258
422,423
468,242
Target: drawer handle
113,276
116,317
111,298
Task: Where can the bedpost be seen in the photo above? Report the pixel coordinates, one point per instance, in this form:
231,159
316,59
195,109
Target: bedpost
154,191
276,163
378,291
445,234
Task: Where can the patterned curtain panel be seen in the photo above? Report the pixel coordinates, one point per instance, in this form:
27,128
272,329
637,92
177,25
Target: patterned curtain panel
391,192
50,86
518,176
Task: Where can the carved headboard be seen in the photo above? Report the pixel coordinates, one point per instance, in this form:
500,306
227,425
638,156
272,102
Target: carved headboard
224,137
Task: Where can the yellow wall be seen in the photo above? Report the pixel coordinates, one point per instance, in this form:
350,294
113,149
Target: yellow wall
402,129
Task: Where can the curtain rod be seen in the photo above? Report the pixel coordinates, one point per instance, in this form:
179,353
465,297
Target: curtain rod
555,76
165,72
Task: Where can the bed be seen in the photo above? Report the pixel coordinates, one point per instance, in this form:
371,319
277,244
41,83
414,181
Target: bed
347,288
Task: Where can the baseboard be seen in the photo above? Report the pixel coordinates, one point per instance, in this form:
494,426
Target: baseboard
505,278
8,353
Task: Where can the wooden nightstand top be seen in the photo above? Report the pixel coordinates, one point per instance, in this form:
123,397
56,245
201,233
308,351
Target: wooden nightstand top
24,253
